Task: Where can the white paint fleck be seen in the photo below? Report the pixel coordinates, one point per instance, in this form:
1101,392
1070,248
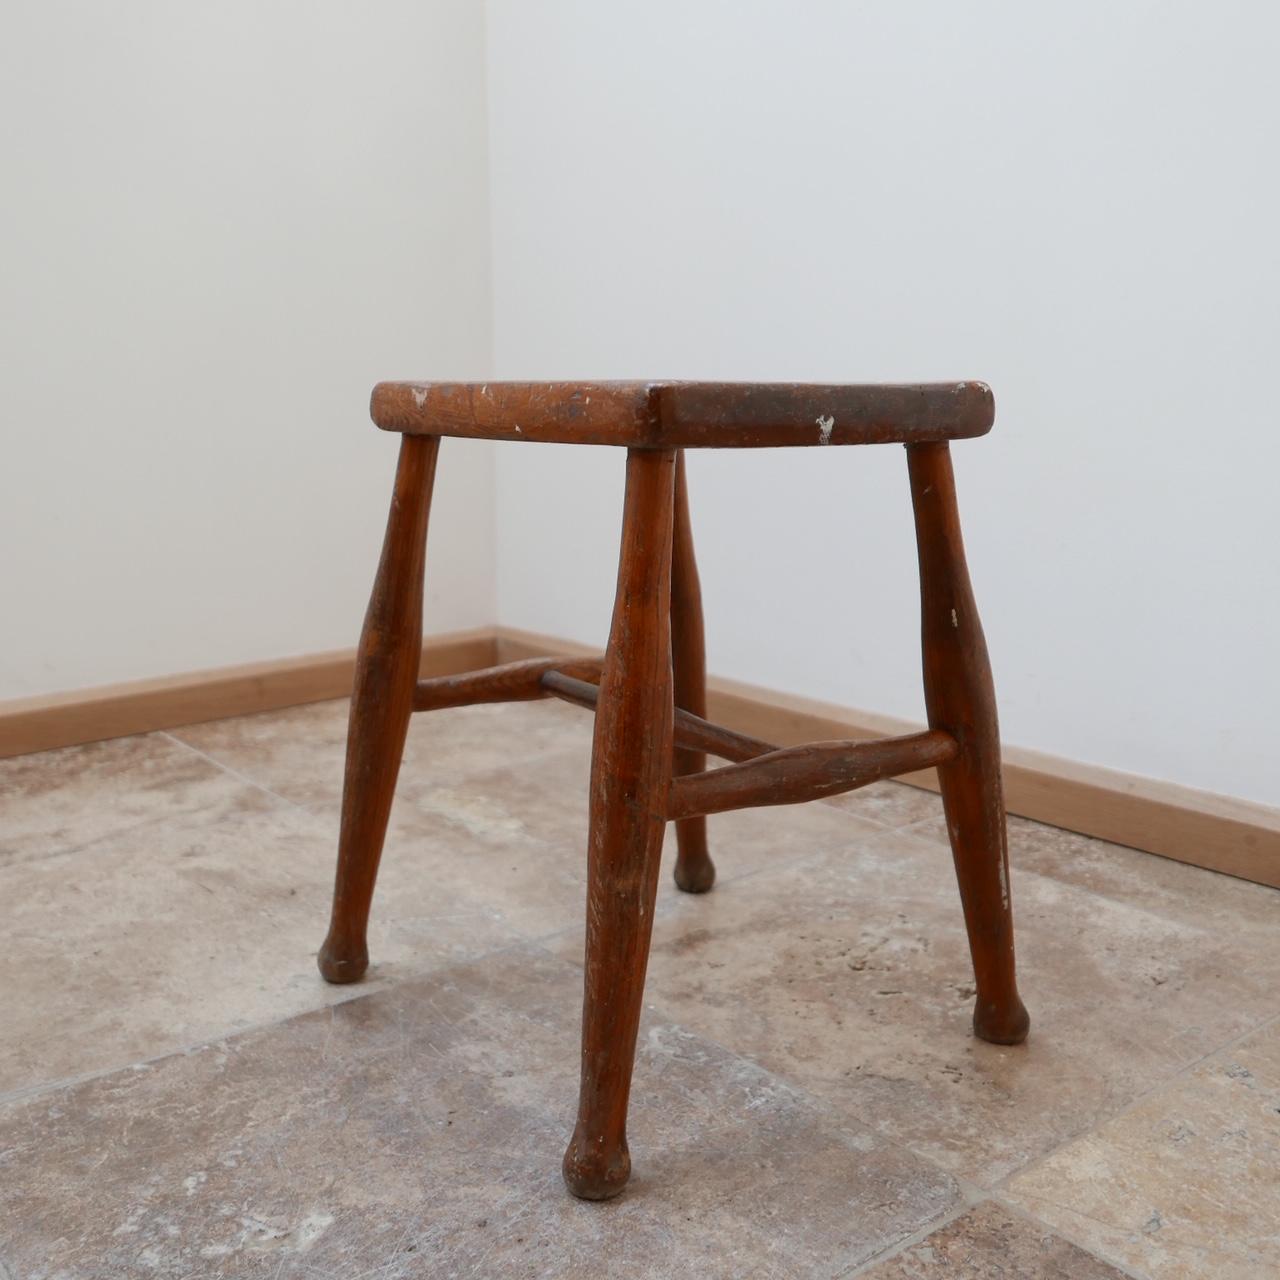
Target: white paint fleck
517,427
955,621
419,396
825,424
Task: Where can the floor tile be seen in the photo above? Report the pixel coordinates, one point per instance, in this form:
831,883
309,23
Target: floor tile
1183,1186
418,1132
299,753
161,935
54,801
1161,885
850,975
807,1082
986,1242
532,819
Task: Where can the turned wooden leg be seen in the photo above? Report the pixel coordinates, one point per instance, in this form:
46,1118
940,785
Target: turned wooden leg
960,698
695,872
630,777
387,664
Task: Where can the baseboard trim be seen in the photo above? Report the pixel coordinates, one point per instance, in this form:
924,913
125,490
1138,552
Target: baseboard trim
1220,833
141,706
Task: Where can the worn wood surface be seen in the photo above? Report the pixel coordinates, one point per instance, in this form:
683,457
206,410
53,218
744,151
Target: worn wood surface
381,703
694,871
510,682
960,699
630,776
794,775
695,415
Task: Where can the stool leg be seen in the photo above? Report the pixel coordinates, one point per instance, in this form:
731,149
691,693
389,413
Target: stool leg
630,778
960,698
387,664
695,872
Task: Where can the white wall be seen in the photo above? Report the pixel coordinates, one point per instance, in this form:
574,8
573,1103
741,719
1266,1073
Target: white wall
220,225
1076,203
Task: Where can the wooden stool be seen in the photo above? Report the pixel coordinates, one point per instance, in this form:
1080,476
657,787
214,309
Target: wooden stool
651,741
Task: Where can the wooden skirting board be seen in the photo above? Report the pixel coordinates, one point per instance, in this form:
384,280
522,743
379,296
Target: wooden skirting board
1216,832
139,706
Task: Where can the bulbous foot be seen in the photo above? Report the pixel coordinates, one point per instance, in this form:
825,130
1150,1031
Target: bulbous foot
695,875
341,964
593,1172
1007,1023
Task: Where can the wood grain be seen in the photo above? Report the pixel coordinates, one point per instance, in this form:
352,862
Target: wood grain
960,699
381,704
813,771
510,682
630,776
694,415
694,870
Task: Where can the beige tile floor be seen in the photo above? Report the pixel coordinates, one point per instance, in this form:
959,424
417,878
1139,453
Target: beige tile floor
181,1096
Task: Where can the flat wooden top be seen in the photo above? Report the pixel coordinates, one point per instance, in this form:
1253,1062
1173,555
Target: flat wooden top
687,415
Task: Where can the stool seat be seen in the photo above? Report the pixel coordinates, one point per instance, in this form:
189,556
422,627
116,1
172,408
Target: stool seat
680,415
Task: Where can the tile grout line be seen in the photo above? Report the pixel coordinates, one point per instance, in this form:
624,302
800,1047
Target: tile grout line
907,1242
1025,1215
367,987
235,773
172,736
974,1197
178,1051
1001,1185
